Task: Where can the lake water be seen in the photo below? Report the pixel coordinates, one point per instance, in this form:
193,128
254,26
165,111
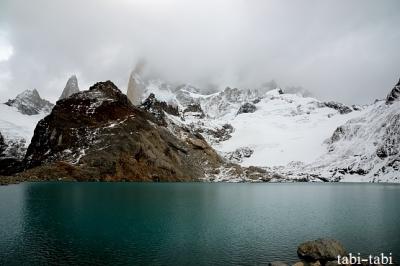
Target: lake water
190,223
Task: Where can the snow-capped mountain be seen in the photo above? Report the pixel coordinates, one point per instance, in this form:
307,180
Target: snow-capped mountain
70,88
298,136
29,102
17,123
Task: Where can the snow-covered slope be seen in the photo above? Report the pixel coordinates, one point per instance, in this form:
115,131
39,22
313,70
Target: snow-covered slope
366,148
17,130
297,136
284,128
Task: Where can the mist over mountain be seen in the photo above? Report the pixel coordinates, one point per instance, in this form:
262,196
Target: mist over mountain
240,44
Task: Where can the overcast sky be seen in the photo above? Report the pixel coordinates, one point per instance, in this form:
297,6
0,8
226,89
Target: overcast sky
339,50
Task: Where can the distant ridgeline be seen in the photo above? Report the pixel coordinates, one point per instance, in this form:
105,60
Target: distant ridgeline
162,132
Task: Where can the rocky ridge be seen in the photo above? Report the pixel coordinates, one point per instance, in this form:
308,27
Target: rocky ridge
394,95
98,135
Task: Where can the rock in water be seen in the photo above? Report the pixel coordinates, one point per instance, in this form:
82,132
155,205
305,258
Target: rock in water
321,250
70,88
99,135
394,95
277,263
29,102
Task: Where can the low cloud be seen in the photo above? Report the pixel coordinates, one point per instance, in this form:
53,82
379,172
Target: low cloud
339,50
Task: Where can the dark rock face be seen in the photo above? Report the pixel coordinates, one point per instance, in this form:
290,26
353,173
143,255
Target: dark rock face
195,110
343,109
338,134
394,95
2,145
220,134
10,166
29,102
321,250
238,155
99,135
70,88
391,144
157,108
247,108
10,156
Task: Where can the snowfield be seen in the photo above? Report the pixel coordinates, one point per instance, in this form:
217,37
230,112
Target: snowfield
17,129
13,124
284,128
297,136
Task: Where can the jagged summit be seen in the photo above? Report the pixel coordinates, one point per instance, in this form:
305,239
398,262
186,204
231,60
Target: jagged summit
135,88
394,95
29,102
136,84
70,88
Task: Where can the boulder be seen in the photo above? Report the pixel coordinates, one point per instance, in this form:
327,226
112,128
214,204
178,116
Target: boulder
321,250
277,263
332,263
304,263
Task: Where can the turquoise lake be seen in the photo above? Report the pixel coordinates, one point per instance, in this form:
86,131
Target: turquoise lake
191,223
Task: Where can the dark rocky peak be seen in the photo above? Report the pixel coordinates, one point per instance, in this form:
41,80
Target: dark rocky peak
394,95
70,88
103,102
99,135
29,102
157,108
